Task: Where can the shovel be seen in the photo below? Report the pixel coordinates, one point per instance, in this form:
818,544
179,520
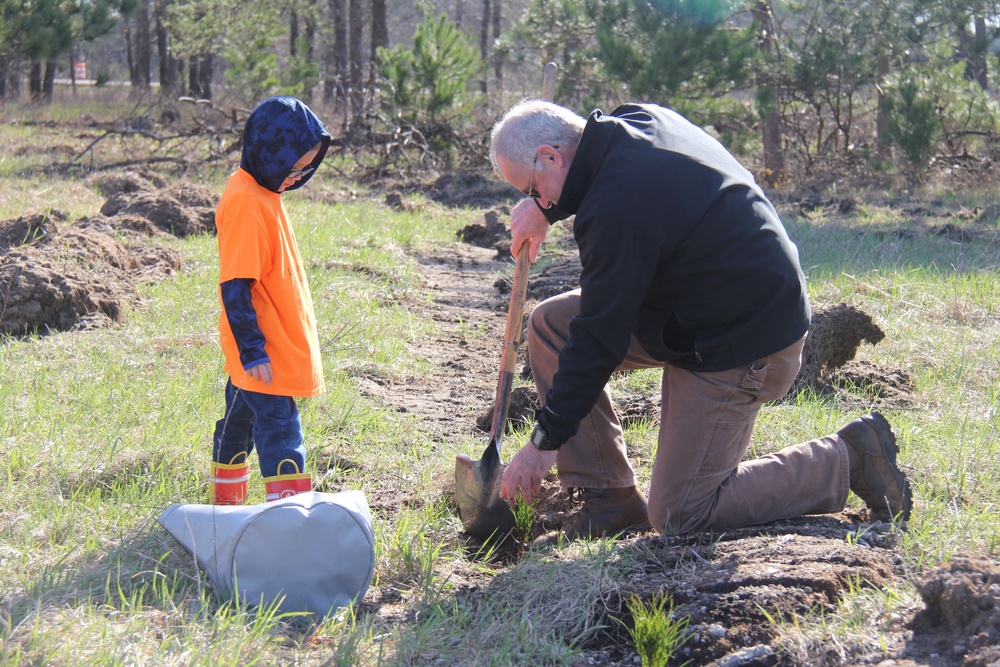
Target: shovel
485,515
483,512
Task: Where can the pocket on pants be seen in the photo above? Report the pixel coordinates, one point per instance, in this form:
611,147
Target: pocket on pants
756,376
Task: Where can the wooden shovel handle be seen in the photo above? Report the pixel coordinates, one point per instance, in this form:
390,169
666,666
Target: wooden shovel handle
515,311
549,82
515,316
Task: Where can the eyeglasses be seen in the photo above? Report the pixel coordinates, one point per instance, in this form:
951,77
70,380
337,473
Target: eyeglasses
299,173
531,192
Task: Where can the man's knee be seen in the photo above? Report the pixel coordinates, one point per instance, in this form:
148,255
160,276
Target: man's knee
548,323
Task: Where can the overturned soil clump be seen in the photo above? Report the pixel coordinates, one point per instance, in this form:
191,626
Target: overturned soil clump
59,276
962,613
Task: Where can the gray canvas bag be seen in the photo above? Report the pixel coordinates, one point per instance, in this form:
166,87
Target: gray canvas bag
311,552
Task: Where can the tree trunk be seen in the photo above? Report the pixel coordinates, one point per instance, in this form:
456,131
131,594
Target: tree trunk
143,57
335,58
883,146
49,81
356,27
484,40
168,64
459,12
771,136
15,78
497,65
380,38
4,77
35,80
311,32
72,67
308,46
293,33
194,79
205,67
977,61
129,55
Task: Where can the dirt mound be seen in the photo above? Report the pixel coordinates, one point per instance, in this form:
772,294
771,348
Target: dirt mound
520,413
127,182
835,335
732,585
77,277
58,277
888,387
154,262
488,234
462,189
962,614
194,197
39,295
27,230
125,223
164,210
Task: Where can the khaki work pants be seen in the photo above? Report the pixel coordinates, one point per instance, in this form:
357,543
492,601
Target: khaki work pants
699,481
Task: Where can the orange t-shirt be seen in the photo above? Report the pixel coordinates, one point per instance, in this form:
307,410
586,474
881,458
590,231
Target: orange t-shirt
256,242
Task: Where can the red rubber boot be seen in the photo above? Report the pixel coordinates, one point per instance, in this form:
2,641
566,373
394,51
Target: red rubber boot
282,486
229,483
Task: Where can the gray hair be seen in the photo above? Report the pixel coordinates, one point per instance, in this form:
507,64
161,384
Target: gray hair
529,124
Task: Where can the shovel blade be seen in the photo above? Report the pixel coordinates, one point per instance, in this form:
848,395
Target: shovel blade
485,515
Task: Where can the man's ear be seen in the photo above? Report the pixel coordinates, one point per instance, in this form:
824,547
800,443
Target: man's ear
550,154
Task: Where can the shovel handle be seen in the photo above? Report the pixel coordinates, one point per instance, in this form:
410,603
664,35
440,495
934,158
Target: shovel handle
515,311
549,82
511,344
515,316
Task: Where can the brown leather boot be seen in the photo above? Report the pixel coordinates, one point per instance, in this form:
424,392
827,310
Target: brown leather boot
875,477
605,513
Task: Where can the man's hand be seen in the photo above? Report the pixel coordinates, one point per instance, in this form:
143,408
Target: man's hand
527,224
262,372
525,472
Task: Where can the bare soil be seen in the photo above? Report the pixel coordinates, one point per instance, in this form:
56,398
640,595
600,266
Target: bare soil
57,276
61,276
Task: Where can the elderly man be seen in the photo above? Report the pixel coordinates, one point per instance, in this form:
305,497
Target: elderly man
687,268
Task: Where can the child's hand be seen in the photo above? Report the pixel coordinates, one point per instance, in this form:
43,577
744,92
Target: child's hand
261,372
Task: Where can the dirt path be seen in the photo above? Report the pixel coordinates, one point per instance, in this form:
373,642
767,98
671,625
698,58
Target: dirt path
465,349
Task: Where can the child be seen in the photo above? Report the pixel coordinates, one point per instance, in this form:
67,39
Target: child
267,327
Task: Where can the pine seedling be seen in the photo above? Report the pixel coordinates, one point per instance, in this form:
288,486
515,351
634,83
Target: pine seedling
524,522
656,633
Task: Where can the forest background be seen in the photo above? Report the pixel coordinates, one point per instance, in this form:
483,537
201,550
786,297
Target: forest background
816,88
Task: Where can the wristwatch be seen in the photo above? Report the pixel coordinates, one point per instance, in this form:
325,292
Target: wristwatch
540,439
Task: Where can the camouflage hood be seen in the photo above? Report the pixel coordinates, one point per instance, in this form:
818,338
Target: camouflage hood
279,132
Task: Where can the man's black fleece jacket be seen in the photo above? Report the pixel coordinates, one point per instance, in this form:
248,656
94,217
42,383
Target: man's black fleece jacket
679,248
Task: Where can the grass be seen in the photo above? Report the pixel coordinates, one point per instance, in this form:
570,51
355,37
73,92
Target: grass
99,431
656,633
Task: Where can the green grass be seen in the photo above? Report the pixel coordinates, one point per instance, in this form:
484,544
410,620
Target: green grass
100,431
